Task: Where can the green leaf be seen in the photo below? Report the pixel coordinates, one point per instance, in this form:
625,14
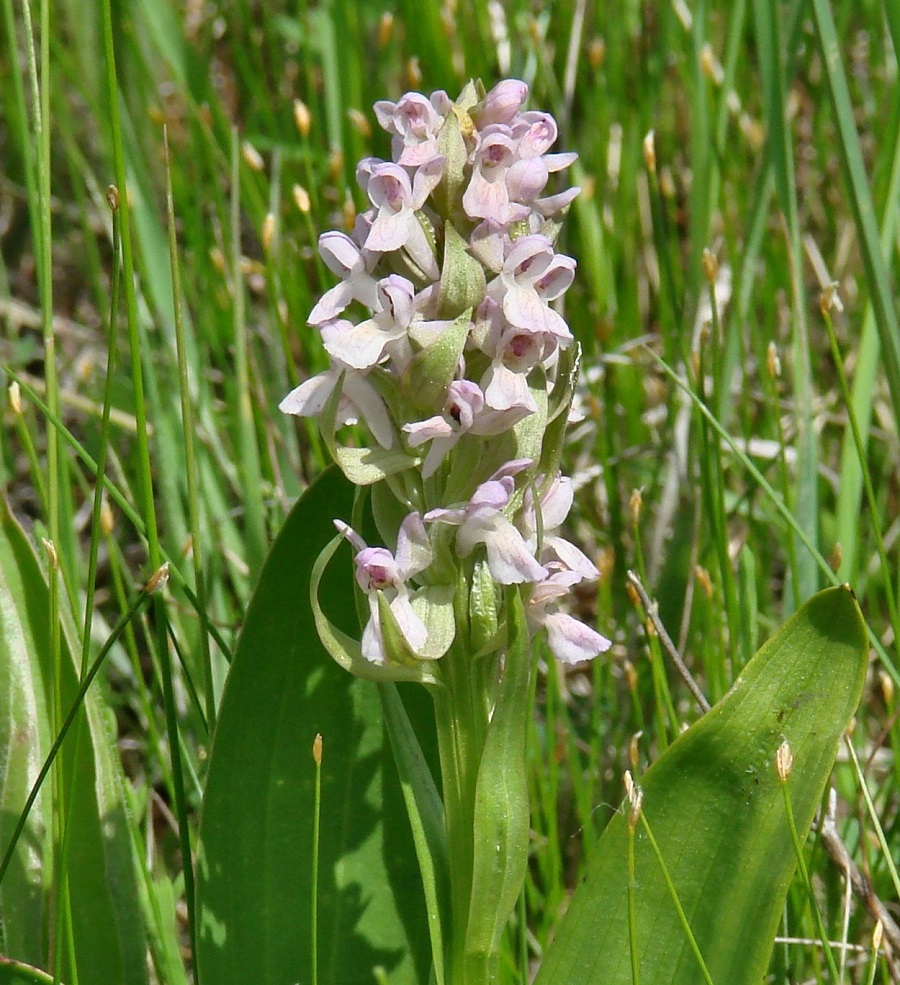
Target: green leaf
716,808
462,277
432,370
107,927
501,804
426,814
254,868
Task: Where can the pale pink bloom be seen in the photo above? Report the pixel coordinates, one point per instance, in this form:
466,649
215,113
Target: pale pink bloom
513,354
359,400
555,503
377,570
532,275
502,103
363,346
354,266
482,521
464,412
415,121
570,641
396,200
487,195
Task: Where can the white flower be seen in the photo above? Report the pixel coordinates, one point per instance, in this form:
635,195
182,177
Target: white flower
482,521
377,570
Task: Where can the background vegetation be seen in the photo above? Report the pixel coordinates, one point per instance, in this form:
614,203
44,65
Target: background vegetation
771,176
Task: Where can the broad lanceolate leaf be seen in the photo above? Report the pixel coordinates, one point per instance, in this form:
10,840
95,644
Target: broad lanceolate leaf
716,808
256,833
107,928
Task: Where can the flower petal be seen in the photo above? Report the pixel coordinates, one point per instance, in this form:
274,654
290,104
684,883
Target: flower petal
571,641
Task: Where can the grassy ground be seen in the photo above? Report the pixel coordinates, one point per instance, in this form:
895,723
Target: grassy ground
728,180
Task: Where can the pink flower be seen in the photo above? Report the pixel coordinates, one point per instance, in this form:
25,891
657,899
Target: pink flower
354,266
359,400
532,275
362,346
396,200
377,570
501,104
464,412
482,521
570,641
414,121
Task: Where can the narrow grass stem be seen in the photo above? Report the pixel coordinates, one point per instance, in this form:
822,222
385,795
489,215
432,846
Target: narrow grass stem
63,731
873,814
877,525
804,875
676,902
121,501
777,502
631,890
190,462
663,703
314,882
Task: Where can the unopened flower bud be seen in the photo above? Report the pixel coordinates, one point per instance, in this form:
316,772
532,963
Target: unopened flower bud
413,72
158,580
830,300
302,117
335,164
52,556
631,677
650,151
252,157
773,361
887,687
359,123
666,183
635,799
385,28
15,397
112,198
349,213
634,750
636,503
784,761
267,232
877,934
596,52
710,265
218,258
710,65
632,594
301,198
837,556
317,749
702,576
107,519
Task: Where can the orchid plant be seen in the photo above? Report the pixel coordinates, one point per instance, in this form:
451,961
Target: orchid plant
460,375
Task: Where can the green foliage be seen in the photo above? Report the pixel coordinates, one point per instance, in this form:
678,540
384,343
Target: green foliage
776,136
106,930
256,835
714,802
